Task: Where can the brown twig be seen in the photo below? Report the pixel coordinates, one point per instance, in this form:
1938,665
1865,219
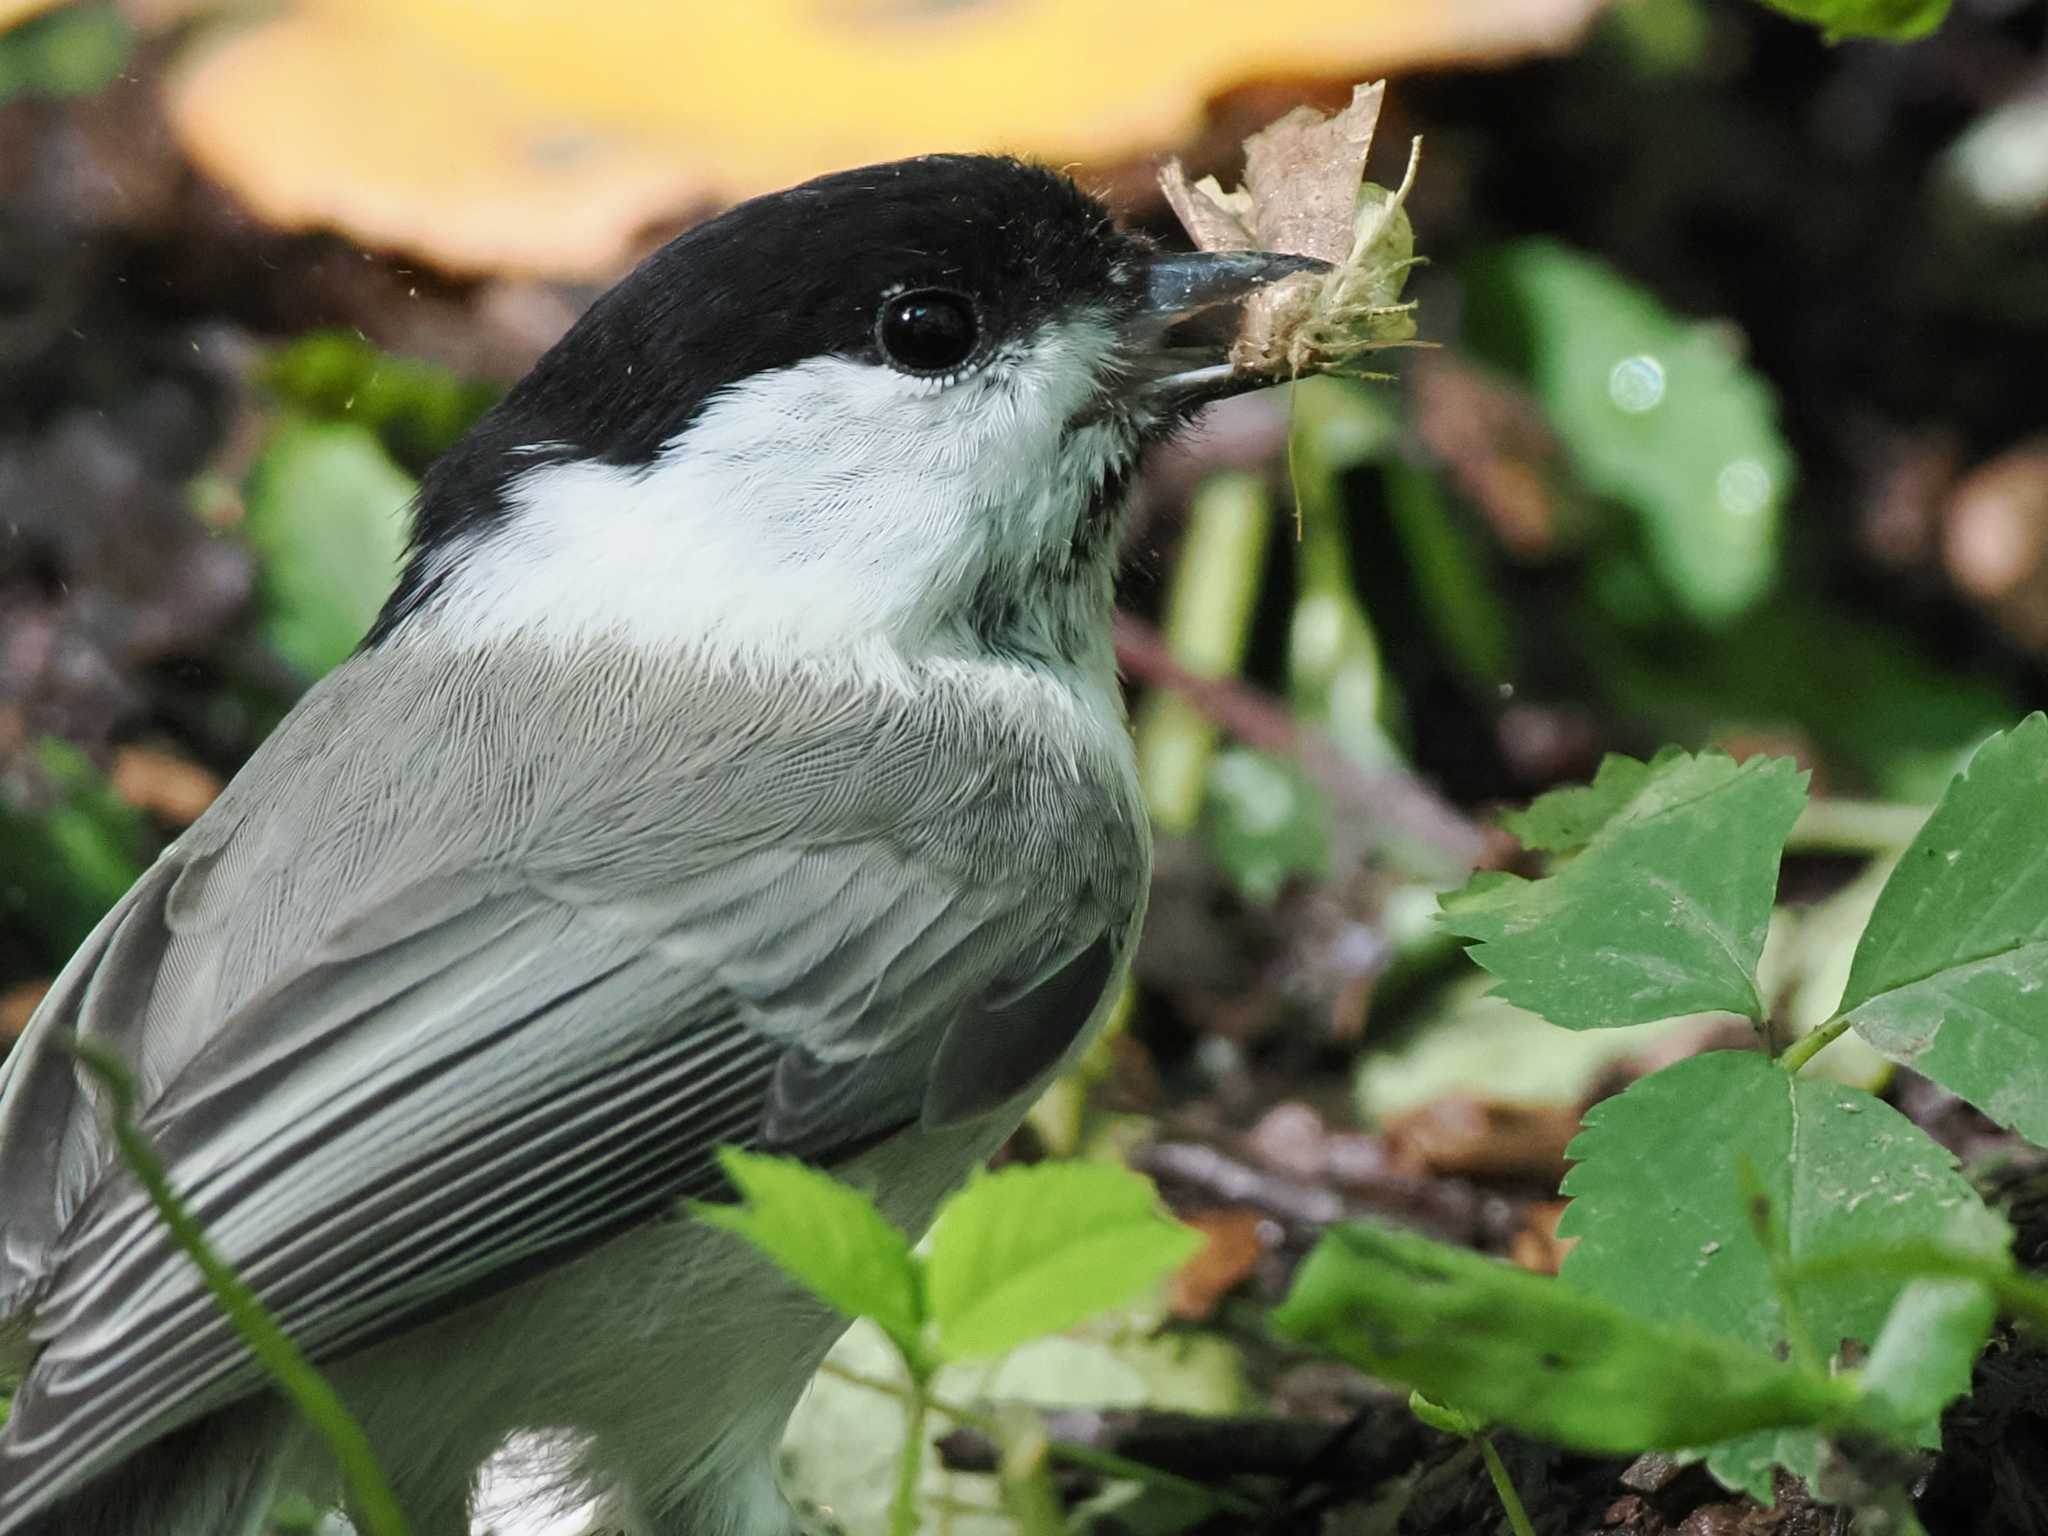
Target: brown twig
1444,1208
1394,804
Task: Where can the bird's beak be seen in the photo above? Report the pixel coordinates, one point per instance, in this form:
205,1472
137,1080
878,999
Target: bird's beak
1189,317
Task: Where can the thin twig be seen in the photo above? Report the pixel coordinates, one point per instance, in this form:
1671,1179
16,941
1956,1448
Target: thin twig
1396,803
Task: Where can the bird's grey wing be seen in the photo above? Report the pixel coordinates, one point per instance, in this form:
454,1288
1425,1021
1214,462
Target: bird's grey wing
470,1083
46,1120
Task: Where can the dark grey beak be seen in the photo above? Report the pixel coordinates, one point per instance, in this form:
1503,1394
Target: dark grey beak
1187,282
1188,320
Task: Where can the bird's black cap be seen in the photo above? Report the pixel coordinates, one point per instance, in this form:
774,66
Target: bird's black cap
774,281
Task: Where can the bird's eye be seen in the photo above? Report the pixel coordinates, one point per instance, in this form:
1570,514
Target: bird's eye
927,331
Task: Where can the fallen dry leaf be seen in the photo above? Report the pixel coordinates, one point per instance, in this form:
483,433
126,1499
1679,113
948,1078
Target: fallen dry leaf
1499,450
1234,1237
1536,1244
170,788
543,137
1302,195
1995,541
1483,1139
1909,476
17,1004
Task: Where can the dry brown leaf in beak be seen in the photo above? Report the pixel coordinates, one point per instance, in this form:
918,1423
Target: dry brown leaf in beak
1304,194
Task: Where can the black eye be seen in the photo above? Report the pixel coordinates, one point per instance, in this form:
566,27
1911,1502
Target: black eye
927,331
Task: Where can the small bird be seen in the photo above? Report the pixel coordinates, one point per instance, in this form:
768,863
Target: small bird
739,760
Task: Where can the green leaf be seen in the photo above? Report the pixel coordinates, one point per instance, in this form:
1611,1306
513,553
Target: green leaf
1923,1356
1441,1416
69,847
1448,567
1951,975
826,1234
73,51
1663,913
418,409
1872,702
326,517
1897,21
1264,823
1031,1250
1665,1229
1659,415
1565,820
1514,1348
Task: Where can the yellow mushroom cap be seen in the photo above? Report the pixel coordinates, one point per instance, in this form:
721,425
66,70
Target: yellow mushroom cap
541,136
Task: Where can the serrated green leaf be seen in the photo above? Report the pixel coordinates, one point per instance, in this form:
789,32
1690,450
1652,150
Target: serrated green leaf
326,516
1897,21
1031,1250
1565,820
1663,913
827,1235
1665,1230
1515,1348
1951,974
1659,415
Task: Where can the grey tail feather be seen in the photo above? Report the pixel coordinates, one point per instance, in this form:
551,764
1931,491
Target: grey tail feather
214,1477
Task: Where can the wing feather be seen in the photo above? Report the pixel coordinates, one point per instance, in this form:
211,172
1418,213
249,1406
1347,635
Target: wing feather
391,1083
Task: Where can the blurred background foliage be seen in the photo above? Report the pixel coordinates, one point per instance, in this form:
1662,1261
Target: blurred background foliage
1732,429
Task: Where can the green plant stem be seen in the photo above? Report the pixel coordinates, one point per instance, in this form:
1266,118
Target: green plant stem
1504,1486
1025,1471
1855,826
374,1507
1207,628
1108,1463
1812,1043
916,1400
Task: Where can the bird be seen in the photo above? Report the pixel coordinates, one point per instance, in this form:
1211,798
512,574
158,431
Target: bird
738,761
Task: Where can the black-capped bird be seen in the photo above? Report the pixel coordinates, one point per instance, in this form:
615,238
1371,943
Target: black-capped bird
739,760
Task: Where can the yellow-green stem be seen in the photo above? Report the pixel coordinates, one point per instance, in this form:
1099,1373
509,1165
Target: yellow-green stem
373,1506
1812,1043
1207,628
1504,1487
910,1465
1025,1470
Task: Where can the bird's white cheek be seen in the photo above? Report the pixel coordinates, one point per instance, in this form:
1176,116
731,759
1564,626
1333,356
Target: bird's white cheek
814,507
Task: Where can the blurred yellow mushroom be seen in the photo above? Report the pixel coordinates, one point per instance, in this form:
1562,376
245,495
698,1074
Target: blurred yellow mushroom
539,136
12,11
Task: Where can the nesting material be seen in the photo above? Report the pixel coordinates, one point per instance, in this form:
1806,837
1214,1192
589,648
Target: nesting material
1304,193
